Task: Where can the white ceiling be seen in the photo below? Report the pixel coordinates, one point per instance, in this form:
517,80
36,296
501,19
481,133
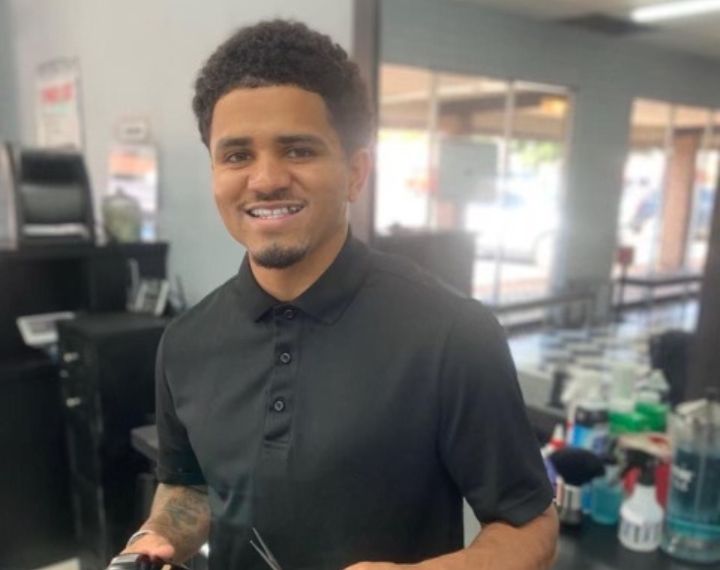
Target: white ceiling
698,35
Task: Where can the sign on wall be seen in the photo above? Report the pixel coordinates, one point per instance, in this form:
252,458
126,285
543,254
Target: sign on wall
57,107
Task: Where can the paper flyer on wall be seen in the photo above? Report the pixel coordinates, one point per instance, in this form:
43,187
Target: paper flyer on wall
57,107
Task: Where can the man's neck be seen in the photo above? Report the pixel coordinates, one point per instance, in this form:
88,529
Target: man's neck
289,283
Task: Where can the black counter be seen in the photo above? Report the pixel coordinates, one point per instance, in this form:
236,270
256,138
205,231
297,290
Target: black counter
588,547
145,440
80,278
596,547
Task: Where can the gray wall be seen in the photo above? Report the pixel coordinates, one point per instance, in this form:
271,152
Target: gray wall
140,58
8,122
605,75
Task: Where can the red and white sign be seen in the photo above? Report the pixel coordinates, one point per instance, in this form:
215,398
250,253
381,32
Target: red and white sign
58,123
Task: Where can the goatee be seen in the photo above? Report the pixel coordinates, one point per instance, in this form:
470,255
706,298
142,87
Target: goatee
278,257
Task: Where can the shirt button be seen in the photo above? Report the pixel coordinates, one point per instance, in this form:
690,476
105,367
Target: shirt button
289,314
285,358
279,405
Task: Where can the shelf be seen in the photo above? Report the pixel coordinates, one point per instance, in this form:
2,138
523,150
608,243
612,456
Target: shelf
75,251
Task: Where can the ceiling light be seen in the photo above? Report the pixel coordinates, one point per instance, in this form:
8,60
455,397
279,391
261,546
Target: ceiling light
669,11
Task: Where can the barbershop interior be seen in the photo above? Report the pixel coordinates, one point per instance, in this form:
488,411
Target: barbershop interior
559,161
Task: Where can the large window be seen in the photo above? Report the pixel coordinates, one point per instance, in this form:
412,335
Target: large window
460,152
403,157
707,175
670,179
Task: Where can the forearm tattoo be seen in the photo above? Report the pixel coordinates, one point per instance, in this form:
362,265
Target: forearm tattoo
181,514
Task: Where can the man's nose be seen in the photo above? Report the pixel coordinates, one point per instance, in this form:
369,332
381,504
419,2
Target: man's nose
268,173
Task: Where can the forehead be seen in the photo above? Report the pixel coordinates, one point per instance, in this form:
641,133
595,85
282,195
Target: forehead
272,110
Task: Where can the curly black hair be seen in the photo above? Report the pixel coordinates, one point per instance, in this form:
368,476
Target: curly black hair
283,52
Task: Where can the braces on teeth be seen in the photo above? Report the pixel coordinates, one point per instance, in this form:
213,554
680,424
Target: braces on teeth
275,213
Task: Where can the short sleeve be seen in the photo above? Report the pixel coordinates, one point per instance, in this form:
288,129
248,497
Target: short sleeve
486,440
176,463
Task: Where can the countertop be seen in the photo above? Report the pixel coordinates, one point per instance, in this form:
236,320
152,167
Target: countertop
588,547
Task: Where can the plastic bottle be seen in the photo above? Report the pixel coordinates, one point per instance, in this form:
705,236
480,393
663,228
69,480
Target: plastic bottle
585,386
622,381
654,381
654,413
641,516
607,495
591,426
693,521
624,419
557,441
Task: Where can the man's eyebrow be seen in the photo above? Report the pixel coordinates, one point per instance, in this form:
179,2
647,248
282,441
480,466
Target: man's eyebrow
228,142
235,142
301,138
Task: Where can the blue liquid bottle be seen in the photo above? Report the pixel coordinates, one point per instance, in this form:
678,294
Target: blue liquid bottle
607,496
692,528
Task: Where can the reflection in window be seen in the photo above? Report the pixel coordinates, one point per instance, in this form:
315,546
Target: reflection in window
460,152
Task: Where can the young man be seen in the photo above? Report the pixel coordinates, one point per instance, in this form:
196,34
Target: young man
338,400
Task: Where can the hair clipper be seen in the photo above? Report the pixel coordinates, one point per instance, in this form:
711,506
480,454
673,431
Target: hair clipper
134,561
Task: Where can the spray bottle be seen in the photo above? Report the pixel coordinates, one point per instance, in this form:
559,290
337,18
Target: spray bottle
641,516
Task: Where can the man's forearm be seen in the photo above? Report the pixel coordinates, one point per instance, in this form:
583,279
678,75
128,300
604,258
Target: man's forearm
502,546
181,515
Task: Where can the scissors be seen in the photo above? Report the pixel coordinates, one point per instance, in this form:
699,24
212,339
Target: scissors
264,551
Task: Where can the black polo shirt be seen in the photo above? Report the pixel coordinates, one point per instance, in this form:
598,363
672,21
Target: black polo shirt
348,424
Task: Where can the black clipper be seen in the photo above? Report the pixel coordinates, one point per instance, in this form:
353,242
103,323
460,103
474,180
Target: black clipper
142,562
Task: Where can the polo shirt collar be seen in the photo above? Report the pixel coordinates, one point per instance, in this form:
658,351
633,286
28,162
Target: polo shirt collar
326,299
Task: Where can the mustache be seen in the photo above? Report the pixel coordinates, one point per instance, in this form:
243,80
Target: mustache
275,195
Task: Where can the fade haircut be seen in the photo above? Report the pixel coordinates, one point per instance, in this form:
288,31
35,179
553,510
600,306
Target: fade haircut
283,52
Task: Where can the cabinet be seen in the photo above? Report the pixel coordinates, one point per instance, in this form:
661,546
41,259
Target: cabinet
107,380
36,515
35,512
69,278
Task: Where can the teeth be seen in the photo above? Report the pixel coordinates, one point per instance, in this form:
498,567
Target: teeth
267,213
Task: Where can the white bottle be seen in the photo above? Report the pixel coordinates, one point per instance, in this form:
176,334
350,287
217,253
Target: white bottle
641,516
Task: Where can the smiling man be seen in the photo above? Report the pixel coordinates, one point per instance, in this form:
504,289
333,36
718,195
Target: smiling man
340,401
282,182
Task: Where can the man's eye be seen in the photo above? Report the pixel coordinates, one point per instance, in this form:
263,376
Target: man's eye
300,152
236,157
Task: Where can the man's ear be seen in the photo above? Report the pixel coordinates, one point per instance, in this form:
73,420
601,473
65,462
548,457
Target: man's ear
360,165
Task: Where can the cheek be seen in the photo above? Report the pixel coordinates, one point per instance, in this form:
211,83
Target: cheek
335,187
225,202
224,188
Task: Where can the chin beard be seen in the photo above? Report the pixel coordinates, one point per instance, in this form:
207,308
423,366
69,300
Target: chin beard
278,257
